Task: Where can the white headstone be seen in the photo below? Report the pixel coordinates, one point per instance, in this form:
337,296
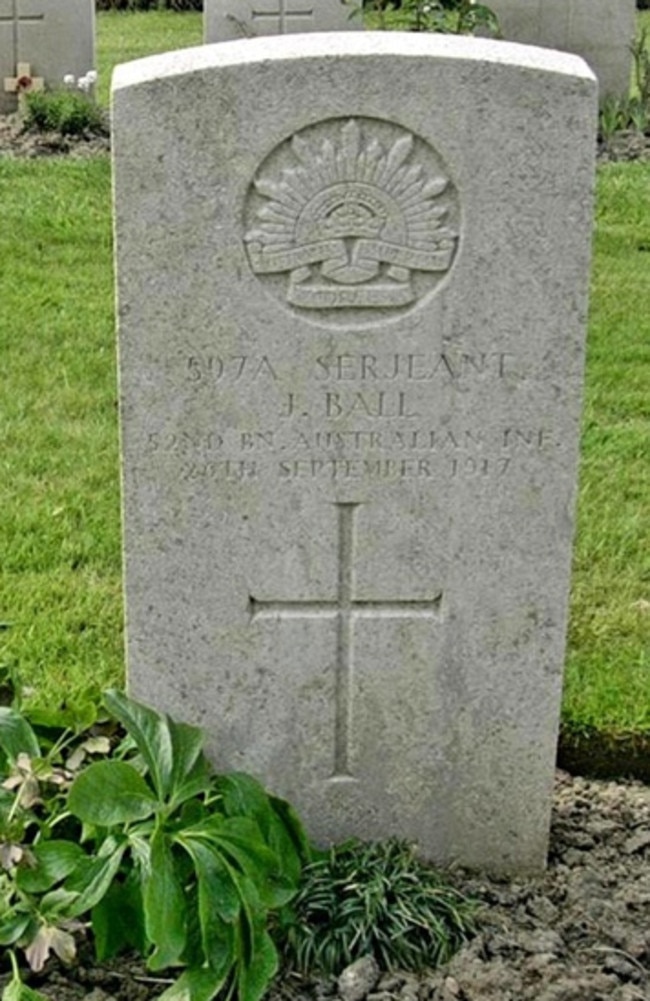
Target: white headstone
53,37
352,286
601,31
226,20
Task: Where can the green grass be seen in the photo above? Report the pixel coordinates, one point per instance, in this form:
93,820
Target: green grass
59,496
608,665
60,583
126,35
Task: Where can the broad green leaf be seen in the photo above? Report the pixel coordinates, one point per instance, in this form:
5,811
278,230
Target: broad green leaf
287,839
110,792
219,905
245,845
253,977
16,990
195,985
16,735
294,827
243,796
240,843
282,831
190,773
57,902
118,919
54,861
151,732
216,886
12,927
164,906
93,880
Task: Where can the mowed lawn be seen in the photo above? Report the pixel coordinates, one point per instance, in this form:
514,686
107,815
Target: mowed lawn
60,577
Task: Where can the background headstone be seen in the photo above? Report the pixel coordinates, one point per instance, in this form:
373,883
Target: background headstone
600,31
352,279
54,37
226,20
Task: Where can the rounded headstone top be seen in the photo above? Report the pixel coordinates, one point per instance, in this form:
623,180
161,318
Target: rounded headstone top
339,45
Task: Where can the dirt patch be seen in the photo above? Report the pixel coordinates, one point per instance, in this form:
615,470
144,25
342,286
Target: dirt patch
579,932
600,754
16,141
624,146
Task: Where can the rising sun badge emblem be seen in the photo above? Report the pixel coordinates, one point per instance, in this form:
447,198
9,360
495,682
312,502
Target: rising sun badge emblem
352,215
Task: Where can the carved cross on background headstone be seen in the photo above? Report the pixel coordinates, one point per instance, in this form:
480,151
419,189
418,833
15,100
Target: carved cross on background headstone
17,20
345,609
284,13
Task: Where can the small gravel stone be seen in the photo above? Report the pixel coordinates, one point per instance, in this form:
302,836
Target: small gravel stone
619,965
637,843
358,979
541,942
543,910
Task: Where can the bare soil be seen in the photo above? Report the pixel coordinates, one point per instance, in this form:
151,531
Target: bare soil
16,141
579,932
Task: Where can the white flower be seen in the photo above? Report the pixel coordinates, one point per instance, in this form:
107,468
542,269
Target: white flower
69,80
83,83
91,76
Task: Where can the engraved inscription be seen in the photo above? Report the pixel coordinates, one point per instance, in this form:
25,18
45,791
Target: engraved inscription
345,610
231,368
351,418
390,455
351,215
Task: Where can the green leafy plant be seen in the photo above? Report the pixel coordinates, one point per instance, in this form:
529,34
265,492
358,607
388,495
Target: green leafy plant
619,114
68,112
458,17
196,861
37,847
175,5
373,898
612,117
641,60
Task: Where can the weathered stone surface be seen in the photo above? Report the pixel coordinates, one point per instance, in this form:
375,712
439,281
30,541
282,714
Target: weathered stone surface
598,30
228,20
351,346
55,37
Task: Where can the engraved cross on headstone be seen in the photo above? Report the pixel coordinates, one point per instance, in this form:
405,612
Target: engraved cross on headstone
284,13
17,19
346,609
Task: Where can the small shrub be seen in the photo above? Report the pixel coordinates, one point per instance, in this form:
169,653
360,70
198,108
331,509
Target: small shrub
197,861
456,17
68,112
373,898
178,5
618,114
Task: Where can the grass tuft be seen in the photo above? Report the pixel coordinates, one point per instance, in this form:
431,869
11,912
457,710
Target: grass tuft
378,899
